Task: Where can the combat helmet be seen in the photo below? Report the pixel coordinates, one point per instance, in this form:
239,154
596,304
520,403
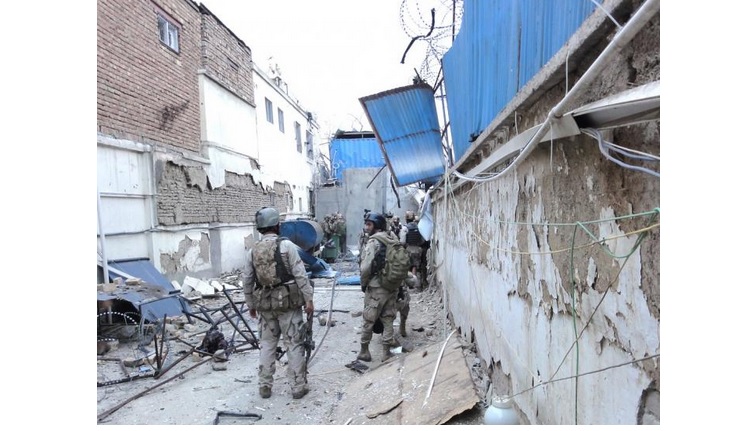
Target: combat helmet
377,219
267,217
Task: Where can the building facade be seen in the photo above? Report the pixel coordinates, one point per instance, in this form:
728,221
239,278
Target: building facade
182,162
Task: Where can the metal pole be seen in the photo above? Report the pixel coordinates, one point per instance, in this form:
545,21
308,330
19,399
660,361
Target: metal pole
105,266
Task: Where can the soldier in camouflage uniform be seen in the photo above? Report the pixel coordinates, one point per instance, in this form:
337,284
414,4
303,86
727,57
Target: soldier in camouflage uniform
414,243
403,301
277,288
378,302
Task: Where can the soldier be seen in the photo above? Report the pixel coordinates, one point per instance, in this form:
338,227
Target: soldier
378,302
403,302
415,245
396,226
340,228
276,288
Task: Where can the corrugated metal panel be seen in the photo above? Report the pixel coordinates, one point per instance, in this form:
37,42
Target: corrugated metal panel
362,152
501,45
143,269
154,299
407,128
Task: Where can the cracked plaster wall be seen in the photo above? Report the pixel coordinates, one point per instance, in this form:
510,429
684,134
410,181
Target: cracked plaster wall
504,247
203,230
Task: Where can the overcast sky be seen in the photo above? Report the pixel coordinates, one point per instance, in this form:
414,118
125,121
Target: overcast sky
332,52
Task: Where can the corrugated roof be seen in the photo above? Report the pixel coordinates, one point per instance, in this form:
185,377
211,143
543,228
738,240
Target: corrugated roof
407,128
501,45
354,150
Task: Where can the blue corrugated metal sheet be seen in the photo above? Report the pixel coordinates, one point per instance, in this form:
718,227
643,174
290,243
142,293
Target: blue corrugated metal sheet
407,128
501,45
354,150
143,269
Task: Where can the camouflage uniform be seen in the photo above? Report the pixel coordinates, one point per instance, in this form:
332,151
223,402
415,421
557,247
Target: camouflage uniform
377,302
286,321
403,304
414,241
339,227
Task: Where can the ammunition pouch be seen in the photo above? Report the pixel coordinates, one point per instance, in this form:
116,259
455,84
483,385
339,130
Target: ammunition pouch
280,297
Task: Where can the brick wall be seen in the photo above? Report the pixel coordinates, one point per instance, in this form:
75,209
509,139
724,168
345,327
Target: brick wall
225,58
183,197
146,91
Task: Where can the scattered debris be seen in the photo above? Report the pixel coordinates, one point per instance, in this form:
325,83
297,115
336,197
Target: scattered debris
254,416
213,341
358,366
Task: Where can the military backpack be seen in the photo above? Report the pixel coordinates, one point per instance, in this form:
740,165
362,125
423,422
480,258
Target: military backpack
396,264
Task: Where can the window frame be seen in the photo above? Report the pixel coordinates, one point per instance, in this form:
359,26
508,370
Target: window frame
269,110
298,138
281,119
309,144
172,29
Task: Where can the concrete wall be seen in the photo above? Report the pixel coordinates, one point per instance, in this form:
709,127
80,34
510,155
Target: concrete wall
228,121
523,276
354,195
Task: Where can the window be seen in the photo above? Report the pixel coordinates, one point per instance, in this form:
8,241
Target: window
168,31
309,144
281,119
298,138
269,111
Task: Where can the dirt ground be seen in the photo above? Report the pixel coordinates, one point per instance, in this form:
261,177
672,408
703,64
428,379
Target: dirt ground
197,390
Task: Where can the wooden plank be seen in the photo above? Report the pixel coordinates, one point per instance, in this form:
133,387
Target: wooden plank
394,393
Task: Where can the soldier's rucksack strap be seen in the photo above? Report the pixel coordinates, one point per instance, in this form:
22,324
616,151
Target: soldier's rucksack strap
282,271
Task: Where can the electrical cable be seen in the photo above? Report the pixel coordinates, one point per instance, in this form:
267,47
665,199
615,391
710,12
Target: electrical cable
605,146
451,200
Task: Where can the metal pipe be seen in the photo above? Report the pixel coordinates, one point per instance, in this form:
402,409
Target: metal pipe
105,266
112,410
644,14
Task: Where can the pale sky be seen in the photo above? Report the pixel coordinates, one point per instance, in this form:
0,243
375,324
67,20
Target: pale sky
332,52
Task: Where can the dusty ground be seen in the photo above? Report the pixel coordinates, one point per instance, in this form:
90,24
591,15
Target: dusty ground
208,394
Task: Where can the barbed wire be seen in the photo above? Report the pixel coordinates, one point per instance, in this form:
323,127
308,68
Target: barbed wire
432,25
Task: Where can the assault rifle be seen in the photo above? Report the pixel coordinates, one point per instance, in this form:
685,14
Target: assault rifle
308,344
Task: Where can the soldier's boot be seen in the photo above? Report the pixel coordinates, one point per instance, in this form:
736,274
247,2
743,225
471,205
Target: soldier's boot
364,354
299,393
265,391
387,352
403,330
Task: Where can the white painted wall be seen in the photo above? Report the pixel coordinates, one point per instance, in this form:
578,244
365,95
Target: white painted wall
174,243
479,263
227,120
126,198
232,246
278,154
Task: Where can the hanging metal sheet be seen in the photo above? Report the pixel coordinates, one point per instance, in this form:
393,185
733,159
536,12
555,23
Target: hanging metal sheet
407,129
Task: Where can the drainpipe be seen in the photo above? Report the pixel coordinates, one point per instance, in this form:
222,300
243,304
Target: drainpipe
643,15
105,266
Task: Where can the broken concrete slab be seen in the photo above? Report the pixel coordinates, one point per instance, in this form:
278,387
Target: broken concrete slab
401,385
218,287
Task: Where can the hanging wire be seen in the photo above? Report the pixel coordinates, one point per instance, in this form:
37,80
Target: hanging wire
452,204
606,148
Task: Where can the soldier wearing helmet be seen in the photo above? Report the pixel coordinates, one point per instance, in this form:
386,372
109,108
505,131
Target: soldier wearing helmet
378,302
276,289
415,245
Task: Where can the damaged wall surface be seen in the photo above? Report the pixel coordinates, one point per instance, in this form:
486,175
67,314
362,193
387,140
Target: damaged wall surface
568,242
180,166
